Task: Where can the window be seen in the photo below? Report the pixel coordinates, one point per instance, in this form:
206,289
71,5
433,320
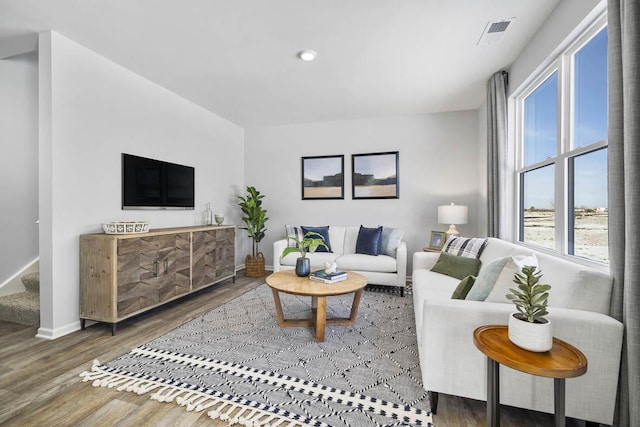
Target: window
562,144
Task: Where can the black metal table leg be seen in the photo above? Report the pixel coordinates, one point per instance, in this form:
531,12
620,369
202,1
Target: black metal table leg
559,401
493,393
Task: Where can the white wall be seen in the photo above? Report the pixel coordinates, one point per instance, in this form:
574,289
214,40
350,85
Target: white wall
18,163
92,110
438,165
563,22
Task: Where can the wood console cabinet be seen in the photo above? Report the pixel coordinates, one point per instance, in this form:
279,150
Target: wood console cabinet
122,275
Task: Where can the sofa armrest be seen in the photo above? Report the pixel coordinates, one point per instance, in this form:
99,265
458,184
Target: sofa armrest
425,260
453,365
278,247
401,263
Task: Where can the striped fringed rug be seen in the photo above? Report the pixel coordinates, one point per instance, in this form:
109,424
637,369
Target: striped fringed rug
237,364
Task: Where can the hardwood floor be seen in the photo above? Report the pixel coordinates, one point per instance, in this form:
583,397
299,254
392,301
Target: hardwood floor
40,386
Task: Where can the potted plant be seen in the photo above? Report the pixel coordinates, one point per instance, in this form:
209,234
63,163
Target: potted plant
309,243
254,216
528,328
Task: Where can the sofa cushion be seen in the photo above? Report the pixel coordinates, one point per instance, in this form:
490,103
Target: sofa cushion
456,266
324,232
368,242
390,240
464,246
361,262
463,287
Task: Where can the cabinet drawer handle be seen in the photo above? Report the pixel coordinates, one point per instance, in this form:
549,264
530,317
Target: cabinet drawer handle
156,268
166,267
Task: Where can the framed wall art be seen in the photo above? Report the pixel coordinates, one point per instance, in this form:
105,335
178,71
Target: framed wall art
323,177
375,176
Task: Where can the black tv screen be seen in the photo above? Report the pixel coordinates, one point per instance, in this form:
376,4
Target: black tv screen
154,184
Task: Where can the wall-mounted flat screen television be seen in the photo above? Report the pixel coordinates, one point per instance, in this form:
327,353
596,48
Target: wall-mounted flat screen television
154,184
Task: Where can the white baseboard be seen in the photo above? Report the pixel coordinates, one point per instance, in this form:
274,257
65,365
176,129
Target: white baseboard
52,334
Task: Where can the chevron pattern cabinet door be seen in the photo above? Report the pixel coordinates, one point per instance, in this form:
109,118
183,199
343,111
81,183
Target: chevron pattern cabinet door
213,256
151,270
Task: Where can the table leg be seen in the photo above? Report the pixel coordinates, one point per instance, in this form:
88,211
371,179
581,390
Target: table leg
278,304
355,305
493,393
321,318
558,401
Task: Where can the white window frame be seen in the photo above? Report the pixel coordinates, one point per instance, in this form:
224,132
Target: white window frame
562,63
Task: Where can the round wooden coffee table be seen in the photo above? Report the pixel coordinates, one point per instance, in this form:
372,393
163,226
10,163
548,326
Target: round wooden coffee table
286,281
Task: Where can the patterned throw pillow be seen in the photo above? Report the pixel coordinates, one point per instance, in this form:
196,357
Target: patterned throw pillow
294,232
464,246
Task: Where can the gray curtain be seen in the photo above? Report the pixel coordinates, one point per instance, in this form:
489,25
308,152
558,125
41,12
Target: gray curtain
496,148
624,195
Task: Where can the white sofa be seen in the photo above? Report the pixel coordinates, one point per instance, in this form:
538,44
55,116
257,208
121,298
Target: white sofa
379,270
579,311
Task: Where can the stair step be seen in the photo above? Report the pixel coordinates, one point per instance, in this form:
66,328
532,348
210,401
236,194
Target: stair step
23,308
31,281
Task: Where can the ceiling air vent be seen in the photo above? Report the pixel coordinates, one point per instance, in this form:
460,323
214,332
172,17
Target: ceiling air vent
494,31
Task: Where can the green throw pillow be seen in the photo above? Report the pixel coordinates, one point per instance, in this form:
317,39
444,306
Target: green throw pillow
456,266
463,288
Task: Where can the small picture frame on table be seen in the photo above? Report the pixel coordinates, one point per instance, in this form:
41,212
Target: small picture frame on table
437,240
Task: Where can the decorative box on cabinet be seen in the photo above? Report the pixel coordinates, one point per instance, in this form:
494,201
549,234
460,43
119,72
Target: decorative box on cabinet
127,274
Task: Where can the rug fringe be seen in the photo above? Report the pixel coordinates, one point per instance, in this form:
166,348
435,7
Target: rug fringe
191,400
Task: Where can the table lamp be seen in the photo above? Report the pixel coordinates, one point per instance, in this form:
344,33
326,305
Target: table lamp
452,215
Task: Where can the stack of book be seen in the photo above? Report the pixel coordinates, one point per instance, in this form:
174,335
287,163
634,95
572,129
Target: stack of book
324,277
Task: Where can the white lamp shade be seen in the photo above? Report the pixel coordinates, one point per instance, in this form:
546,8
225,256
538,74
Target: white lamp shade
452,214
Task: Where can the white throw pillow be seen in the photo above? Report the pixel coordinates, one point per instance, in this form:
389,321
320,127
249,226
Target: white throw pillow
504,282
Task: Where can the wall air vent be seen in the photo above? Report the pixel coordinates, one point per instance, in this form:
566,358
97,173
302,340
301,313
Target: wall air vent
494,31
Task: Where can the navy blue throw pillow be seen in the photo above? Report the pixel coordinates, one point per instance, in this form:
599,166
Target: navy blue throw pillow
324,232
368,241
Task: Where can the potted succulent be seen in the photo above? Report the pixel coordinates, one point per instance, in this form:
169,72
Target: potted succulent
309,243
528,328
254,216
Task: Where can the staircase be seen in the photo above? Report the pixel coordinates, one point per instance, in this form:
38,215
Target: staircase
23,307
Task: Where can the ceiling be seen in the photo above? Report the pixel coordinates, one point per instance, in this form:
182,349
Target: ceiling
237,58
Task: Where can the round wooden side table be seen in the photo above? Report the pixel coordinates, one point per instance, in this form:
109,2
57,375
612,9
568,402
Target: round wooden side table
561,362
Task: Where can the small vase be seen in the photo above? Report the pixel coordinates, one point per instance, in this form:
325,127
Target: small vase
303,267
206,214
536,337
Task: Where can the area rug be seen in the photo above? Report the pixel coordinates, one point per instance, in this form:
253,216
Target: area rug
237,364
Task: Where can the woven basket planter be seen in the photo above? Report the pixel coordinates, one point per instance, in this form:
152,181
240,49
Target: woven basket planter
254,265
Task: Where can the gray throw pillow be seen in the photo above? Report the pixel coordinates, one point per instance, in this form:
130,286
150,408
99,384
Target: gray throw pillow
486,279
456,266
390,240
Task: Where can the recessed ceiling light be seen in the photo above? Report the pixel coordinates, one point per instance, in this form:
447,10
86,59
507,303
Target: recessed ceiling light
307,55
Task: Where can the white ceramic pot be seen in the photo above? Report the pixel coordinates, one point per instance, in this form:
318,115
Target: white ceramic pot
536,337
